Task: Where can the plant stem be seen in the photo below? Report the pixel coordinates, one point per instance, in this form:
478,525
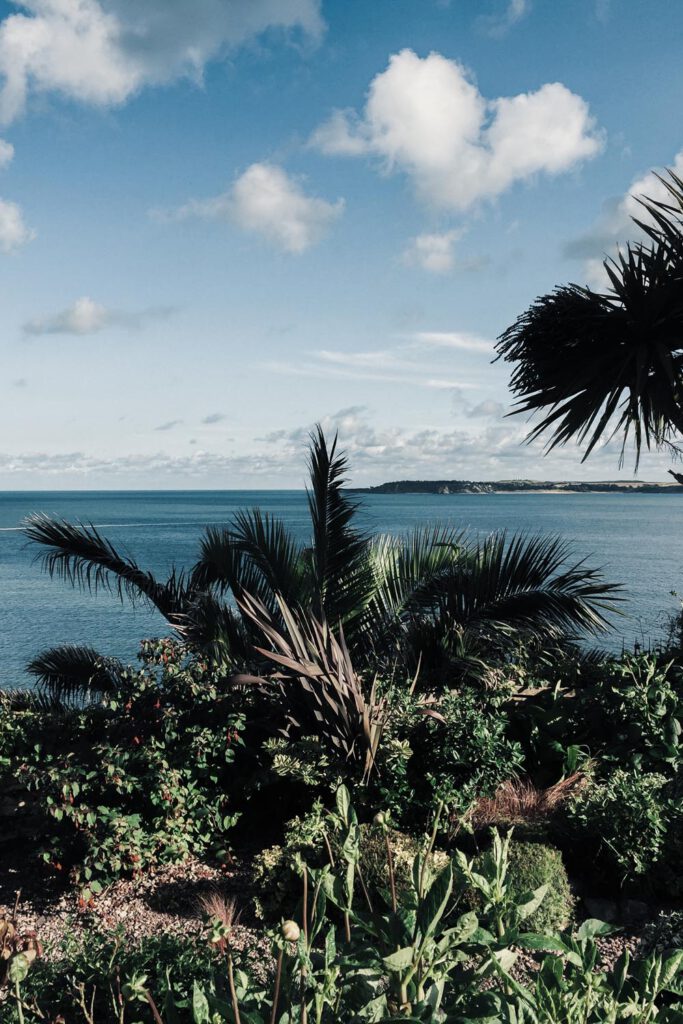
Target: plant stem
17,996
276,994
392,875
153,1008
233,991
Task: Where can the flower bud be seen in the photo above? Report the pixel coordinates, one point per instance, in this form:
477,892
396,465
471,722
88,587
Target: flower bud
291,931
380,818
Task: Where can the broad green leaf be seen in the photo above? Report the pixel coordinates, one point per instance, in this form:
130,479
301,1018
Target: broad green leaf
531,902
200,1006
399,960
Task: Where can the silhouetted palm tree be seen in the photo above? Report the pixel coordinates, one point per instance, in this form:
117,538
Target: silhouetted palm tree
600,364
431,596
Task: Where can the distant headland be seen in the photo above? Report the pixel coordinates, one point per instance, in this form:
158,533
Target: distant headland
447,487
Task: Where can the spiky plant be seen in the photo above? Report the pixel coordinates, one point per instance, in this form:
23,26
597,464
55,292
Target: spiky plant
600,364
426,596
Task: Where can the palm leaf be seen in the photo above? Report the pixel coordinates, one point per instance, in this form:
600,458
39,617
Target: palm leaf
595,365
76,672
80,554
342,579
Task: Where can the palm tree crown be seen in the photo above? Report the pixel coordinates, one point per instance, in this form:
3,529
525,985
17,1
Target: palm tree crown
598,364
432,597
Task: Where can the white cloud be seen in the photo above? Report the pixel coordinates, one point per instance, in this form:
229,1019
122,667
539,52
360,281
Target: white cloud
266,201
214,417
615,225
13,231
6,153
426,117
498,25
433,252
488,409
88,317
454,339
104,51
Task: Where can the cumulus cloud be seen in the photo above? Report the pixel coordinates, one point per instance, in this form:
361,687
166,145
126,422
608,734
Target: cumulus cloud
426,118
615,225
104,51
498,25
13,231
488,409
266,201
433,252
86,316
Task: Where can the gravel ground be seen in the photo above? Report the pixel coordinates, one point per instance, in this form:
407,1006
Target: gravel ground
169,900
165,901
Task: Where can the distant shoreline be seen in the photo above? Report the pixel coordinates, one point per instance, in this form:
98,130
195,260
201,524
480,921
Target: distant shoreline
449,487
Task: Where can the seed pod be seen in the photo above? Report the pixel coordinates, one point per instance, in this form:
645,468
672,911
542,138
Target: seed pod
291,931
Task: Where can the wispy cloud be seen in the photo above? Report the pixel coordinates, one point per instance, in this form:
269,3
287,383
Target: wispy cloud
86,316
499,24
461,340
213,417
169,425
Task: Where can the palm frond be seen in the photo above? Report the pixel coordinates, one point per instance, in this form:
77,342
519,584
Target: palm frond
341,576
526,583
595,365
76,672
81,555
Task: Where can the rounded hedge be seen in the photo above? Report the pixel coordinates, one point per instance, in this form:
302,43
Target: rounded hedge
531,865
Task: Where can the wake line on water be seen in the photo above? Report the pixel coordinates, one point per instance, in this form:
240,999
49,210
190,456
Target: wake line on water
128,526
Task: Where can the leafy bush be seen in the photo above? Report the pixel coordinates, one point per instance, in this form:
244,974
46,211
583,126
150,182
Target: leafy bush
623,823
277,871
641,701
530,866
141,778
455,757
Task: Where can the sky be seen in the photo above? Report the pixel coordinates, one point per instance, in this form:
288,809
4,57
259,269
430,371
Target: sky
222,221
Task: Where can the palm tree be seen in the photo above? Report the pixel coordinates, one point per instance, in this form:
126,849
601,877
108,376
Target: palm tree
600,364
433,596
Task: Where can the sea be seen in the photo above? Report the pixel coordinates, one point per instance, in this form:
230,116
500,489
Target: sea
637,540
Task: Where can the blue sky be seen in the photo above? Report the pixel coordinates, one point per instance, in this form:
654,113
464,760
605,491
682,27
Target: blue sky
224,220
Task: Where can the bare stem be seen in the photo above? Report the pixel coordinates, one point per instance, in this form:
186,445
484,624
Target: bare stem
276,994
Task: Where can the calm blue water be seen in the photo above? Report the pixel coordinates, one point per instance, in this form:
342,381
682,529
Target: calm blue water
638,539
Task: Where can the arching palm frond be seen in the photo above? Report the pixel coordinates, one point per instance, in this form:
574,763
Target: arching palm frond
75,672
599,364
500,590
405,569
81,555
215,628
342,579
529,584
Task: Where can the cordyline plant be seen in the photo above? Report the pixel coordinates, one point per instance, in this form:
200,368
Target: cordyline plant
432,597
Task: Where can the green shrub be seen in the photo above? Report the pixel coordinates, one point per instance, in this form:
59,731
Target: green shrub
277,870
532,865
423,760
141,778
641,705
621,824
